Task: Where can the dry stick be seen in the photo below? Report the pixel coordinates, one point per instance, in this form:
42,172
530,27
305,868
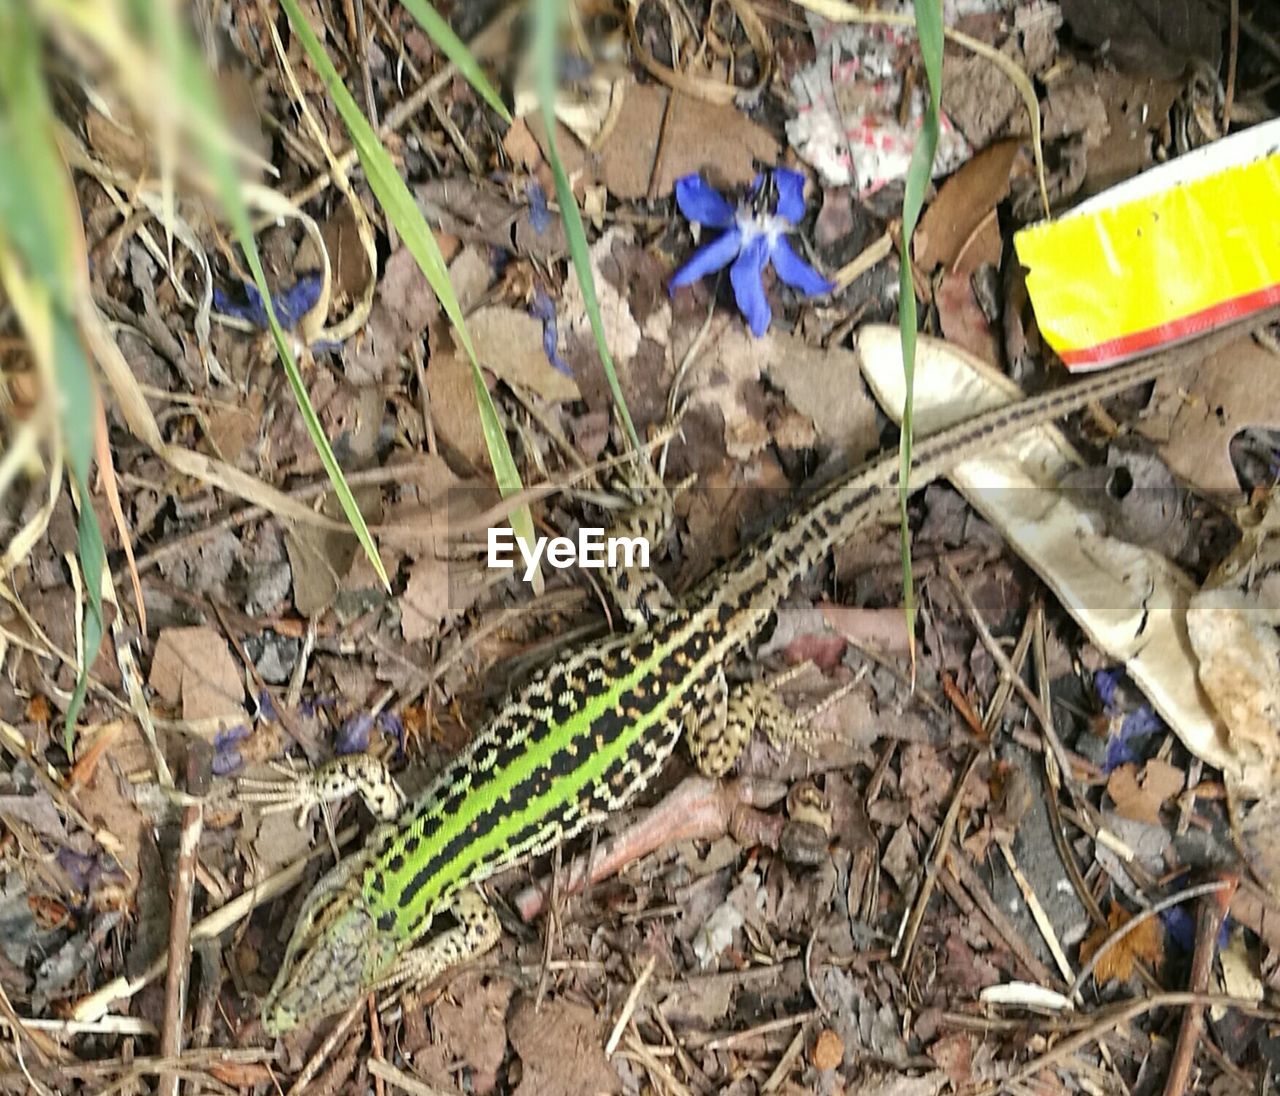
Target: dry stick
1209,919
1145,915
692,1070
386,1072
1006,668
942,839
175,987
972,912
644,1055
325,1049
629,1006
375,1042
1038,914
1010,677
789,1056
1229,95
1122,1014
408,107
968,878
1054,775
214,924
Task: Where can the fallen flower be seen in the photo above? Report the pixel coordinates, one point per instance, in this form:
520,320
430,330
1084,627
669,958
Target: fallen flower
291,304
753,239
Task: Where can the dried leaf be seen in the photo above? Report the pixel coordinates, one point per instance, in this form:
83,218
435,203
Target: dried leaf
509,344
1194,415
193,666
561,1048
828,1050
1140,795
1145,943
963,203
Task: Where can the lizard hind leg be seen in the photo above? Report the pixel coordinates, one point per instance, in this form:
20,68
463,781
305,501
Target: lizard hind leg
736,712
476,931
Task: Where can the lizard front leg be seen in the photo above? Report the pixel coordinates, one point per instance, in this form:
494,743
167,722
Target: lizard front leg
336,779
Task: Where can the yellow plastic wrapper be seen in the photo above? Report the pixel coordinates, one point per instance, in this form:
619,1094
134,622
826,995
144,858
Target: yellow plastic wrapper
1176,251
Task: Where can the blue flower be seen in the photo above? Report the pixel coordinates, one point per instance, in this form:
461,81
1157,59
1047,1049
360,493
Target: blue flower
753,239
290,304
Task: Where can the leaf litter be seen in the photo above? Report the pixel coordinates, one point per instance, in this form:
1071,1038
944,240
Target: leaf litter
267,633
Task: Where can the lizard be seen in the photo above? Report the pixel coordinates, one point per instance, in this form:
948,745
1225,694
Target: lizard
584,736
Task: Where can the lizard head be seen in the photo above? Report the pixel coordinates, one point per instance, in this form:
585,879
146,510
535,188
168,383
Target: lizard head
335,956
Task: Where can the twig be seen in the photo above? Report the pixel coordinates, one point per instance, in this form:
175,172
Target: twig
789,1056
1233,55
967,878
412,104
385,1071
1038,915
325,1049
942,840
95,1005
175,988
1208,920
1139,918
1113,1018
629,1006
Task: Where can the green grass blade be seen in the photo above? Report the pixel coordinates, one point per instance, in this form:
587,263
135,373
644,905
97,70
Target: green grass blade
547,15
192,80
36,205
403,212
920,171
454,48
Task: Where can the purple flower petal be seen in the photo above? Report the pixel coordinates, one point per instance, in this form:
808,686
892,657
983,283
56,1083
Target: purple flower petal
539,215
790,186
353,735
708,259
1106,682
796,272
543,308
748,288
701,203
296,301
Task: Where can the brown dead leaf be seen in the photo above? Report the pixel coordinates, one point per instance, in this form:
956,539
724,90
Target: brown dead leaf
348,260
561,1048
954,1055
824,384
963,203
193,666
1145,943
233,428
691,135
1195,415
108,805
433,500
1140,794
320,558
404,307
471,1022
479,213
961,317
828,1050
509,344
454,415
622,332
